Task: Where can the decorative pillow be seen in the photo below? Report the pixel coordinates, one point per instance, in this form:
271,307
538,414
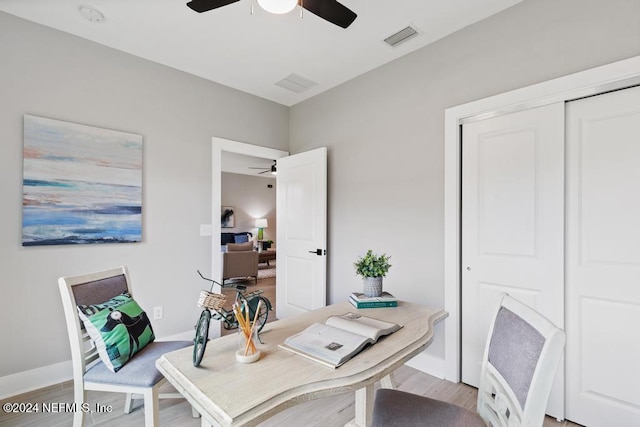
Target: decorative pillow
118,327
241,238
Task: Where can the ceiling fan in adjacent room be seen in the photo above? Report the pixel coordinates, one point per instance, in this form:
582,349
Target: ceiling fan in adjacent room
271,169
329,10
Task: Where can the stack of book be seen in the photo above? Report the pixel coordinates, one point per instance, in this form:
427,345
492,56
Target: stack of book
358,300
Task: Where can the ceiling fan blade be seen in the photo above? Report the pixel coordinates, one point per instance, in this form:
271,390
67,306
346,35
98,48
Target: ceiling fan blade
331,11
206,5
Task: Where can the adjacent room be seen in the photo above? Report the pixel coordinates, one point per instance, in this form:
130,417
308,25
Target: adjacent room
486,146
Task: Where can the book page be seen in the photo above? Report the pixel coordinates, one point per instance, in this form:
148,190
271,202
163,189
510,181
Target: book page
362,325
327,342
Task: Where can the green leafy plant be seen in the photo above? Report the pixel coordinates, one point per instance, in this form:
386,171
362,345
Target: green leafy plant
372,265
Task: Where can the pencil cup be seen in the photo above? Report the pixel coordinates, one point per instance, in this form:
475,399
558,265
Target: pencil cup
248,351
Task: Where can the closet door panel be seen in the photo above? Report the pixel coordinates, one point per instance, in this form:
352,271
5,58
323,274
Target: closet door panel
603,259
512,225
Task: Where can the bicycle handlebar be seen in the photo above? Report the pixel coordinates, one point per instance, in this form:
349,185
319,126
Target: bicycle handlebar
210,280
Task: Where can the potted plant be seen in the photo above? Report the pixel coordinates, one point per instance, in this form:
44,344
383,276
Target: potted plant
372,268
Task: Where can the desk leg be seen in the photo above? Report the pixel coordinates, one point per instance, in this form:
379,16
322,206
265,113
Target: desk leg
205,423
364,407
387,382
364,403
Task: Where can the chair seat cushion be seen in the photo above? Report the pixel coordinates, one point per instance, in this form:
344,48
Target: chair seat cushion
140,371
401,409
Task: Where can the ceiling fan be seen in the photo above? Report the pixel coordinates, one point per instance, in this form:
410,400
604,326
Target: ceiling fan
329,10
271,169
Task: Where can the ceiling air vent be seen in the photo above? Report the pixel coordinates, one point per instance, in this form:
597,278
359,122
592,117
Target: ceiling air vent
296,83
401,36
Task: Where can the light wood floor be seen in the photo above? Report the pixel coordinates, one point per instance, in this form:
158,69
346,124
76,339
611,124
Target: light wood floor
327,412
267,285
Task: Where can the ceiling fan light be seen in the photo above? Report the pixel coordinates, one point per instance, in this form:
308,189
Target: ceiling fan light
278,6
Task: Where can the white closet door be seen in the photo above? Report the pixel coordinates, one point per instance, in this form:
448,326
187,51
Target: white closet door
512,225
603,259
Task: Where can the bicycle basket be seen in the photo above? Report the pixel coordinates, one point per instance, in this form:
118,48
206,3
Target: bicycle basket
211,300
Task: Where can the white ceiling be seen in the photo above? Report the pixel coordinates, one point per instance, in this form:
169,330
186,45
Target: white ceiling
245,165
251,53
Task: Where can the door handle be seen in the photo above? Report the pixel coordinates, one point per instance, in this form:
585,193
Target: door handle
318,252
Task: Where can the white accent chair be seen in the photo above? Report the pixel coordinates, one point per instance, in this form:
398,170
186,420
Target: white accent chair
139,376
520,361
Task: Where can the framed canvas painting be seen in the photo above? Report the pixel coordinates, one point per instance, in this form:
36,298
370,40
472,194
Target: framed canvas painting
227,219
81,184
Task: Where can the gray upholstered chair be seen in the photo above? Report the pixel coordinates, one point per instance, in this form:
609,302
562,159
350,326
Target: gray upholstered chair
240,260
138,376
520,361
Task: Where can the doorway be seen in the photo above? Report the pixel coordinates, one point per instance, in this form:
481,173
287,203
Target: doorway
234,149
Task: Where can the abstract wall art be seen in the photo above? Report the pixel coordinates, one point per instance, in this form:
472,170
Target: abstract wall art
81,184
227,218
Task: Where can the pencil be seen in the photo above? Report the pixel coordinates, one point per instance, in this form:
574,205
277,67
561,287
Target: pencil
250,339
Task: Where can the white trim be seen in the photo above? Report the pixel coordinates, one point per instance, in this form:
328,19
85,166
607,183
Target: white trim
182,336
218,145
428,364
586,83
34,379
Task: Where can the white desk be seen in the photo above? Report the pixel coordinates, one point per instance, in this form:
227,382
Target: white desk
228,393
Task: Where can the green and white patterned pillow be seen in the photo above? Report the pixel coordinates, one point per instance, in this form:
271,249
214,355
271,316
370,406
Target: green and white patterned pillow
118,327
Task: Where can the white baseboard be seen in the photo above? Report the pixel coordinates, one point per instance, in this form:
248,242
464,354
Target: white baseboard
182,336
23,382
428,364
34,379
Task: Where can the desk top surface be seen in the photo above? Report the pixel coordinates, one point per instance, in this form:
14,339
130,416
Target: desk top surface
232,393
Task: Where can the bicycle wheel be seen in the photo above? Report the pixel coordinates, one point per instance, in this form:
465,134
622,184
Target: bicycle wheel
202,335
264,311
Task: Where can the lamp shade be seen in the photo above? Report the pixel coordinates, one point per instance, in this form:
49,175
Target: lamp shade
261,223
278,6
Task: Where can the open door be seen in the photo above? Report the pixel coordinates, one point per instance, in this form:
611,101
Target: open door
301,203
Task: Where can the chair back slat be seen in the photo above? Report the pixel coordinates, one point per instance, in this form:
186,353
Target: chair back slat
502,406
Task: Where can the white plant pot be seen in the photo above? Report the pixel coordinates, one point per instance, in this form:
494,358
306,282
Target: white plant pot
372,286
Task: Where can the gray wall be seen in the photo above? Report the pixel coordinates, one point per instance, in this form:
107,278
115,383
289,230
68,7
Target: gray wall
251,198
385,130
52,74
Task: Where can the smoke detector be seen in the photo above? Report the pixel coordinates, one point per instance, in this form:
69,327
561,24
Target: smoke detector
91,14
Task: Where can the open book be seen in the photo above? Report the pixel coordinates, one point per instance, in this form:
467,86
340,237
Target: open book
339,338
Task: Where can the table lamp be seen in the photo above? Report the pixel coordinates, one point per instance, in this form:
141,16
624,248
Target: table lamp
261,223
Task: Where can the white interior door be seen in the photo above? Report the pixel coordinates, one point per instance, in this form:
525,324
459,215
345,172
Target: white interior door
512,225
301,203
603,259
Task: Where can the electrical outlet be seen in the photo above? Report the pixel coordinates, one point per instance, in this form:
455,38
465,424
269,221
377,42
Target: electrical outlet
157,312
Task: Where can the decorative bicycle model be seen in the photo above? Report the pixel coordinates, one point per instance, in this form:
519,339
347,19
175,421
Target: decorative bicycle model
258,309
